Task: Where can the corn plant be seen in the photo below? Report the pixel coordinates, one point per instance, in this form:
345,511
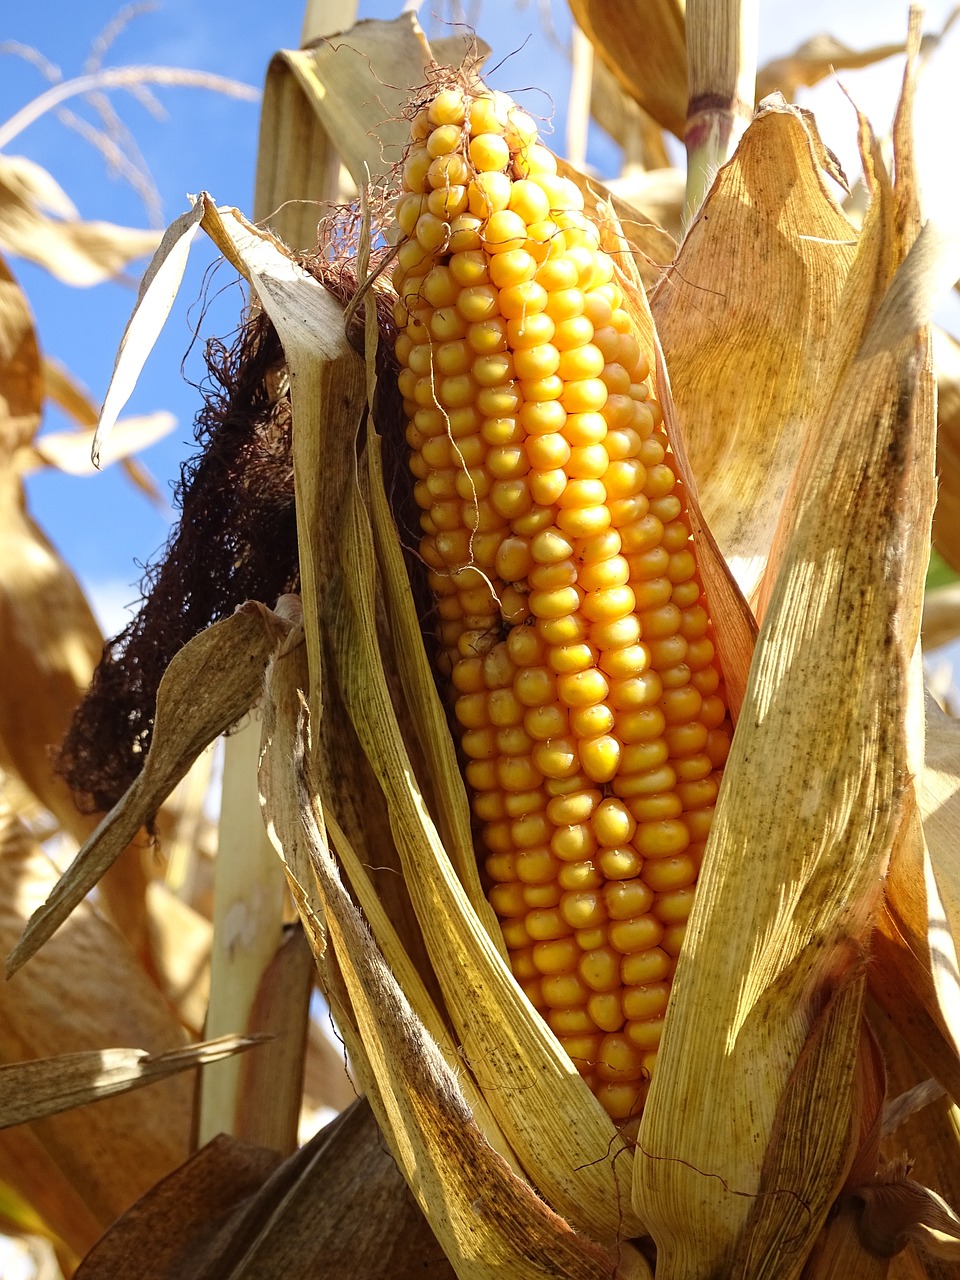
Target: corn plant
570,1062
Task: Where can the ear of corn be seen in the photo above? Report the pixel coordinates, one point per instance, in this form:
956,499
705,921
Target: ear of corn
571,618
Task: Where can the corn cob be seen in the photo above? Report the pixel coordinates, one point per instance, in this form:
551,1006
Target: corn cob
572,622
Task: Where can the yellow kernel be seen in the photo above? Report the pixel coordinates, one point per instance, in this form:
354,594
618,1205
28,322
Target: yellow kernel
471,710
697,795
569,658
564,990
673,907
492,371
584,396
619,1059
712,712
650,783
518,773
505,231
569,628
671,651
481,774
613,824
488,806
529,201
546,722
489,152
556,758
694,768
543,419
644,968
583,909
536,866
535,162
555,603
620,863
545,925
686,739
549,452
661,839
574,843
605,1010
560,955
639,934
608,604
645,1035
572,809
600,757
523,648
600,969
625,663
592,721
512,268
521,963
487,336
540,896
698,823
602,574
588,462
673,937
718,748
571,1025
656,808
582,688
649,1001
520,300
580,363
507,900
666,874
520,804
582,429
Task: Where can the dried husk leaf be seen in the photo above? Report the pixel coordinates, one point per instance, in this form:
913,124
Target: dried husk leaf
287,678
816,781
82,1168
821,56
645,48
208,686
70,451
745,316
807,1158
339,1207
155,297
76,252
20,378
341,99
30,1091
941,616
626,122
946,519
488,1221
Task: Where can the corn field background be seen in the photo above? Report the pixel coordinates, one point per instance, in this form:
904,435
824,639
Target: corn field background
182,971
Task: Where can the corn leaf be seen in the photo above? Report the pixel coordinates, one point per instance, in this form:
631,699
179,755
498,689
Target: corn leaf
45,1086
946,520
745,316
813,795
208,686
76,252
82,1168
339,1207
821,56
70,451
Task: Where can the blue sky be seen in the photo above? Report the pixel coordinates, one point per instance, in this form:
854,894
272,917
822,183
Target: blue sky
100,524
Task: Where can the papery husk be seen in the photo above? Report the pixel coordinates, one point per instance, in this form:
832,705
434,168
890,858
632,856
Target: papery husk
208,686
946,519
645,48
745,316
341,100
82,1168
812,797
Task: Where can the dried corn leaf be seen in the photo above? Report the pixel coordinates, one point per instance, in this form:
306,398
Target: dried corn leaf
339,1207
82,1168
156,295
488,1221
946,520
820,56
941,615
20,377
645,48
76,252
745,317
208,686
45,1086
816,780
70,451
341,99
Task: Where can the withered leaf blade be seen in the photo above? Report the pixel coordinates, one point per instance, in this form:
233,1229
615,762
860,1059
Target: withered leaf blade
821,56
946,519
645,48
209,685
815,789
745,316
70,451
76,252
45,1086
338,1207
20,374
82,1168
158,290
488,1220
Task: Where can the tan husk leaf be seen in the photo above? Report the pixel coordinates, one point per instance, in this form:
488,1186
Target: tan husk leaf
488,1220
815,784
745,316
340,99
208,686
946,519
821,56
82,1168
45,1086
76,252
645,48
70,451
339,1207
